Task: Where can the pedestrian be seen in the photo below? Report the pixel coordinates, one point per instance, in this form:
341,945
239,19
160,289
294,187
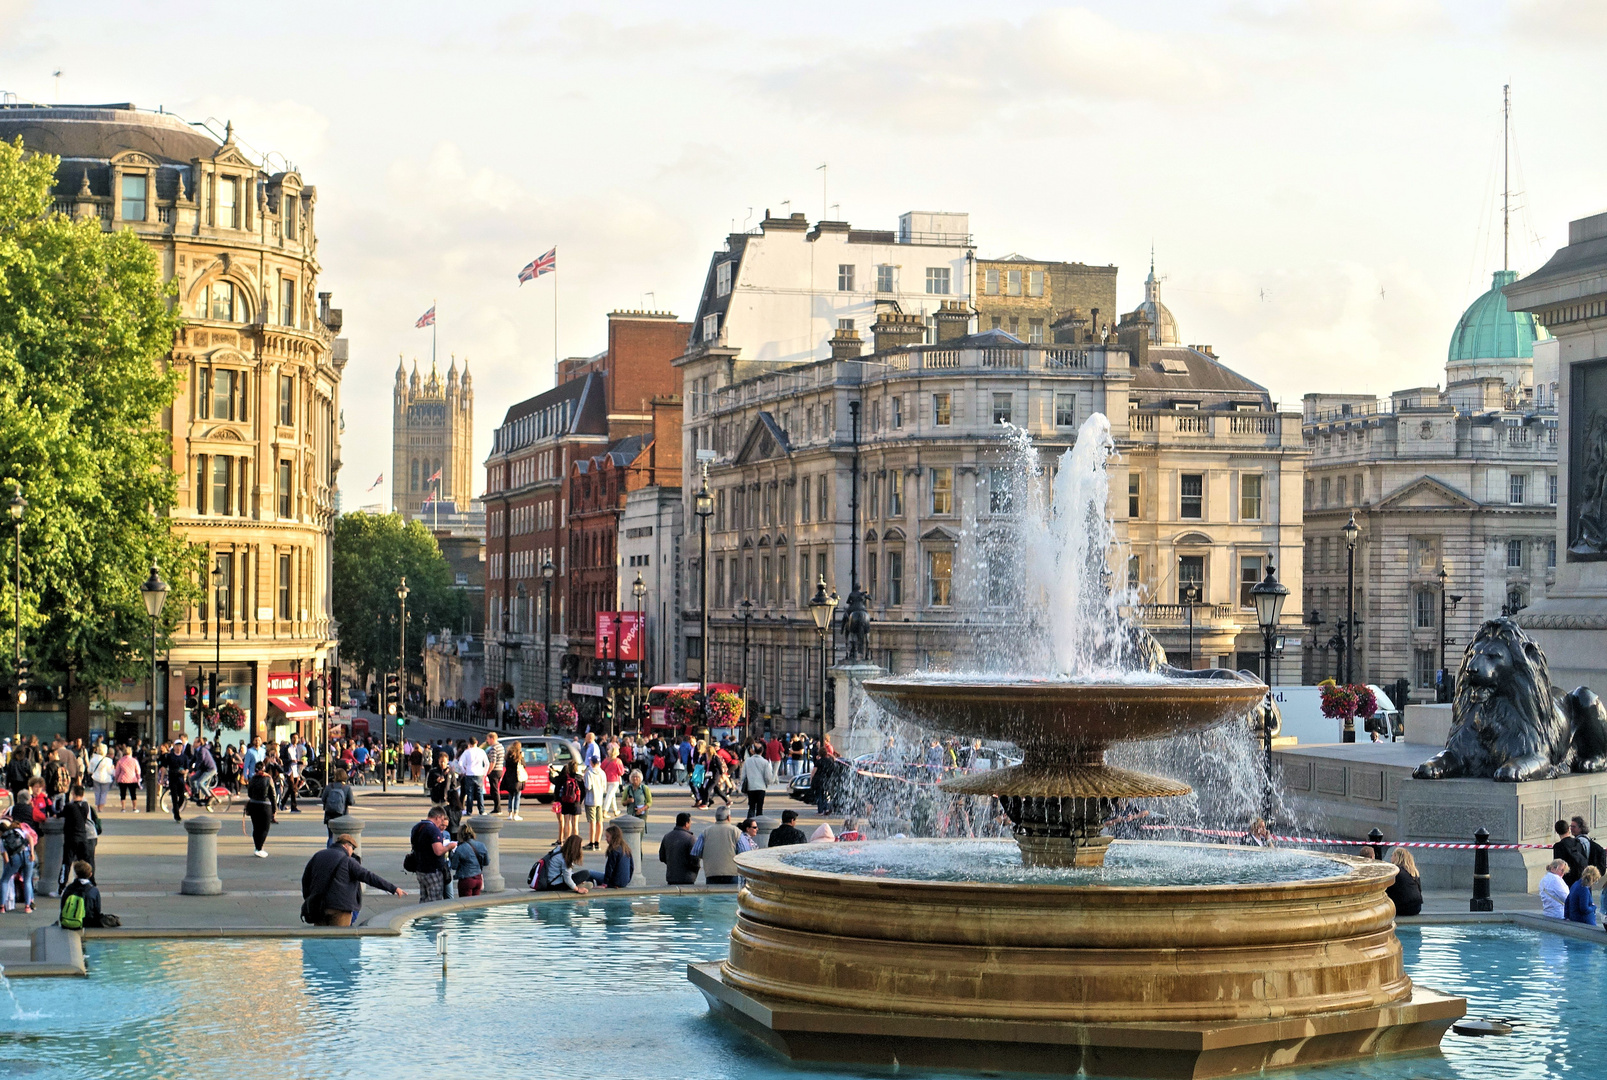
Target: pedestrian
496,758
515,776
251,759
468,862
638,796
749,840
788,833
1567,848
101,774
262,802
758,773
80,899
717,847
1580,906
204,771
613,770
1258,836
571,792
428,858
675,852
620,865
696,776
1406,891
1553,889
338,800
596,787
1593,853
564,871
19,770
177,763
290,763
589,752
19,848
850,830
439,778
329,884
79,833
473,765
127,774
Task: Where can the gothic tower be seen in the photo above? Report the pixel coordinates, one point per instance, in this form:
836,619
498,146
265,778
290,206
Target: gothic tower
432,441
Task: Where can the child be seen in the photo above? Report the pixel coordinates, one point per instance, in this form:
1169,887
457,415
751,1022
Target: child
80,900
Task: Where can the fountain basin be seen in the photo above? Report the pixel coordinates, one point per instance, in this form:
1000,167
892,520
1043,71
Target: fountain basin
1173,969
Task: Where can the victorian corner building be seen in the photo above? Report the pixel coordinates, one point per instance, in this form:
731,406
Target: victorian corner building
783,403
255,425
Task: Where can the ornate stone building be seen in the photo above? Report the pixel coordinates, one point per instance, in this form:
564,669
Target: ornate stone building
1462,480
256,424
432,441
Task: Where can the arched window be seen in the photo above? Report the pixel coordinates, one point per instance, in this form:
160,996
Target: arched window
415,474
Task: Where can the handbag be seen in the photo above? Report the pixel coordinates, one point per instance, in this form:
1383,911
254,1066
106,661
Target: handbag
410,862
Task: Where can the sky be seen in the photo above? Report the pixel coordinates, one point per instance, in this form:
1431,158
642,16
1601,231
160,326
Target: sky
1320,179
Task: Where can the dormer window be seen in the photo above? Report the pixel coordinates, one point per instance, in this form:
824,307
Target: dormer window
134,191
288,216
722,279
228,203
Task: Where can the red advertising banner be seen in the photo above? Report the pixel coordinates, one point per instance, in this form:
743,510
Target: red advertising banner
629,628
284,682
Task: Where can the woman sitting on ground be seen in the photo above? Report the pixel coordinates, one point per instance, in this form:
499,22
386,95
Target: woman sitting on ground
621,864
1581,905
564,870
1406,891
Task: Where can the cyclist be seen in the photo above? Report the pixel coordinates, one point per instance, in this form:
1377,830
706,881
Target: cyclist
203,771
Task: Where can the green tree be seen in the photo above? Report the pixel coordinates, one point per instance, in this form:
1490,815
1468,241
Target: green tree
85,329
372,553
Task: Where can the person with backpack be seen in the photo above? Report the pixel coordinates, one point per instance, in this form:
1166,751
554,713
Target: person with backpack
427,859
561,869
19,845
329,884
80,900
571,794
338,799
468,862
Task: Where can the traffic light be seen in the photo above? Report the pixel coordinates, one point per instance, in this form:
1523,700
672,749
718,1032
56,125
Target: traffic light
608,709
212,689
24,672
312,691
192,696
393,697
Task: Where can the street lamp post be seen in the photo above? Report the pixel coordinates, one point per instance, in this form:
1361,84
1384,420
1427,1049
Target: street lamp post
1268,596
1441,689
703,506
154,593
401,686
747,617
1191,596
217,645
821,607
19,506
639,591
614,670
546,632
1351,530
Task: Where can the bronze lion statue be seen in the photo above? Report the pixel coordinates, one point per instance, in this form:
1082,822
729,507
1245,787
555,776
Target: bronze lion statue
1509,722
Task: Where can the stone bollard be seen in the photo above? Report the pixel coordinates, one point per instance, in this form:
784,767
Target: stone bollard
1481,873
50,845
634,828
352,826
201,857
488,830
767,825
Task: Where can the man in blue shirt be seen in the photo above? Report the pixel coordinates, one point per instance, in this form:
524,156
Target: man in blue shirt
253,758
589,753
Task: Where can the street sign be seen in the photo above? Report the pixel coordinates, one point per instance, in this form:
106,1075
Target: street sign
588,690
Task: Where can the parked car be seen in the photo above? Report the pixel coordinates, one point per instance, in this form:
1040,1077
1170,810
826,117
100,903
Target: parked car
544,756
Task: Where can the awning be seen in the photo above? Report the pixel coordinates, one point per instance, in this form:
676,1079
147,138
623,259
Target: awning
292,707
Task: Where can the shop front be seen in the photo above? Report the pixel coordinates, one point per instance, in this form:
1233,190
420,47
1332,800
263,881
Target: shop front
288,712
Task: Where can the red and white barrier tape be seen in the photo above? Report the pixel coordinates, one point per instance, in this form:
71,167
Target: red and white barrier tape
1349,843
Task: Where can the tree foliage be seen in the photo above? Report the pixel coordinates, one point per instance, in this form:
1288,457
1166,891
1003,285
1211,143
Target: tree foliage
372,553
85,327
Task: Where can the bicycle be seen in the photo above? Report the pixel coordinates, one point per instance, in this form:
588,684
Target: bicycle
218,800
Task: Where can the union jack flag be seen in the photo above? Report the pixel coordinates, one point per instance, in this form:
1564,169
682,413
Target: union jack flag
434,478
426,319
380,479
543,264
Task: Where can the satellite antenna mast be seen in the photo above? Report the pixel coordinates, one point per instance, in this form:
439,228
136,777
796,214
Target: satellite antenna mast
1506,185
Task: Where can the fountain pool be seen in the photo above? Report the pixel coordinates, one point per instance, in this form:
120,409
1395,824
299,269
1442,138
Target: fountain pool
597,988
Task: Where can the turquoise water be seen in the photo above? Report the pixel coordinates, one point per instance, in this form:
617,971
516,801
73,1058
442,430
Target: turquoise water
597,989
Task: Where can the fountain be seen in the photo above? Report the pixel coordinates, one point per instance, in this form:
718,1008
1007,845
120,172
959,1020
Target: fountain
1066,950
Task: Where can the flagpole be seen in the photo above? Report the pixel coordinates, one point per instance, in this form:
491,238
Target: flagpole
433,332
555,326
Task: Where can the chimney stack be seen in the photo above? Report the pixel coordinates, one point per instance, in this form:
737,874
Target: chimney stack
953,320
845,344
896,330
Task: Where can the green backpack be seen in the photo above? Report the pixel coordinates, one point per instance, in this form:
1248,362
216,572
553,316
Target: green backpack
72,912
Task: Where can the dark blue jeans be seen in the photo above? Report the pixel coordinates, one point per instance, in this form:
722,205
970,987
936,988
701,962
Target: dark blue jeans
472,795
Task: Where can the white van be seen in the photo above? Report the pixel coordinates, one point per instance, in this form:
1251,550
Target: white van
1301,709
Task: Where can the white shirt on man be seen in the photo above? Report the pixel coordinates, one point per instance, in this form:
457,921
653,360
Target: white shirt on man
473,762
1553,895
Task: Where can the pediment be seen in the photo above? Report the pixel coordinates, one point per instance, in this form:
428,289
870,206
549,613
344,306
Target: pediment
893,534
781,540
132,157
765,441
225,354
1192,539
223,434
938,535
870,537
230,155
1427,493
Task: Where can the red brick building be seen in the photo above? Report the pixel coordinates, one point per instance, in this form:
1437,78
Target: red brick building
598,402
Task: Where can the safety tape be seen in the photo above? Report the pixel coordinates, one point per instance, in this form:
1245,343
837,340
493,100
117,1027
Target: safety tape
1349,843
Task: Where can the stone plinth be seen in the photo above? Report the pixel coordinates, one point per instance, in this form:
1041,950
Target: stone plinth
1428,725
488,830
849,738
201,857
633,827
1346,790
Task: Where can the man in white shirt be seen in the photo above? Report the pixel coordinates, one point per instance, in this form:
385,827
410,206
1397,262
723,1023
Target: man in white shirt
474,764
1553,891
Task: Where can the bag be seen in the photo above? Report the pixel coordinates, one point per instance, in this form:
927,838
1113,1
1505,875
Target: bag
335,801
521,774
312,909
110,922
570,791
410,862
72,912
13,841
538,873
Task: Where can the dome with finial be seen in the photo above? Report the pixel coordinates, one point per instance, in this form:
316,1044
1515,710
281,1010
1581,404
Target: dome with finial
1488,331
1162,326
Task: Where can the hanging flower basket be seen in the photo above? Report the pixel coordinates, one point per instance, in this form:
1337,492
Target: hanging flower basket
725,709
681,707
230,716
1347,702
563,714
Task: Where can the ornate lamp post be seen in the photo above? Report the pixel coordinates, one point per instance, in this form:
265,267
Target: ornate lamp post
401,685
1191,596
1441,689
1269,595
18,507
639,591
703,506
821,607
518,629
546,631
154,593
1351,531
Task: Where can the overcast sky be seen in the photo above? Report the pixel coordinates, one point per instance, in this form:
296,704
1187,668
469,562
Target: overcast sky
1320,178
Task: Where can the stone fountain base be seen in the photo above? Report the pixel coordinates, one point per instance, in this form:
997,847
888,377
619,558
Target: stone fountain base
820,1034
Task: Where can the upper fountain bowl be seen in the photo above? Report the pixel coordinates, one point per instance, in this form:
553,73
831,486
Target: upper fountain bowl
1069,715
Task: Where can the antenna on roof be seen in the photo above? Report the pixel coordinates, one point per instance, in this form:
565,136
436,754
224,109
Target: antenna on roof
824,206
57,76
1506,185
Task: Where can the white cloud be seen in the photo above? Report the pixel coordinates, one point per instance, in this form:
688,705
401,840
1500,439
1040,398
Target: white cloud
1396,18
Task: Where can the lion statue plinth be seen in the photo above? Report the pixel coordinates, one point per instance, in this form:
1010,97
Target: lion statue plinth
1510,723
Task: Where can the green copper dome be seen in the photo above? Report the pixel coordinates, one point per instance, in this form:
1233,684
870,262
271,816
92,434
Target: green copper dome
1488,331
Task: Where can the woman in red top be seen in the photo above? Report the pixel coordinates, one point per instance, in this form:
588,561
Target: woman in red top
613,768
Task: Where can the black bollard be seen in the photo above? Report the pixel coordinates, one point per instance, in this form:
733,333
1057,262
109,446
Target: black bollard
1481,873
1376,839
